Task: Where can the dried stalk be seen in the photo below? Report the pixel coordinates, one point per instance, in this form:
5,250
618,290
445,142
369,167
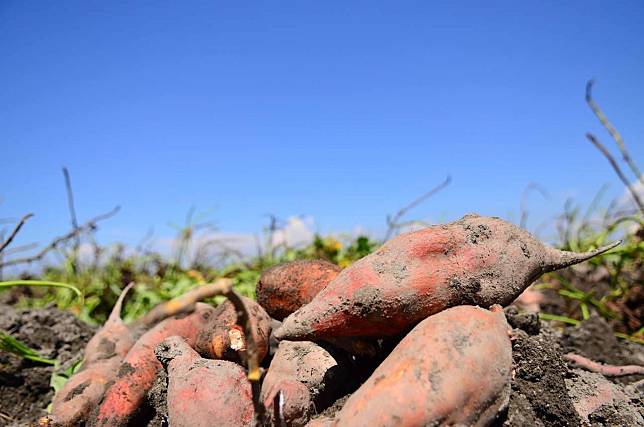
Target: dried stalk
611,130
15,231
88,226
617,169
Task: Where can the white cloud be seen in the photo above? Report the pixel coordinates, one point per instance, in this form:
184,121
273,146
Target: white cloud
297,232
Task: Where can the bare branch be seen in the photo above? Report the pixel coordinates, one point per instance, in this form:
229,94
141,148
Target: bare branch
617,169
392,221
21,248
15,231
55,244
611,129
72,215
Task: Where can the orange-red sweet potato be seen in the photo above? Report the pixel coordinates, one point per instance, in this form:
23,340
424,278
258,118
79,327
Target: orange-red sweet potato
226,338
453,368
102,357
286,287
475,260
204,392
308,377
139,368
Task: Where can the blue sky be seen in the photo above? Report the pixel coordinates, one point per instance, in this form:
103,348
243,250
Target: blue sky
343,111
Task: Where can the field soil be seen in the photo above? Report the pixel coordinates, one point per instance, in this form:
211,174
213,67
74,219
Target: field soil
546,390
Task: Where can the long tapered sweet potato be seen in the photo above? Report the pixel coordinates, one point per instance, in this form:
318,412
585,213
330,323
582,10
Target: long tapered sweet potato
139,368
286,287
453,368
102,357
308,377
204,392
475,260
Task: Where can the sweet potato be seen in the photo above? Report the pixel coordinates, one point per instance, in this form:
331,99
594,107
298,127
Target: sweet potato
453,368
308,377
204,392
226,338
475,260
139,368
286,287
102,357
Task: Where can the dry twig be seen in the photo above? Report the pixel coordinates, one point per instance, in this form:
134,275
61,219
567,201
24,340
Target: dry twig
611,130
392,221
72,214
15,231
88,226
617,169
532,186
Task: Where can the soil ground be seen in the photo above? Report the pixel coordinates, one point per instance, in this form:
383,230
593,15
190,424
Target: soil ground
546,391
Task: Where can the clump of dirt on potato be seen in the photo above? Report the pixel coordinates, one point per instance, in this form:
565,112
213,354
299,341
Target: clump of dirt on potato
24,385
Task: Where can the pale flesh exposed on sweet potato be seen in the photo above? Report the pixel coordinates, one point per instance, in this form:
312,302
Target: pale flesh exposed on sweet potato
204,392
453,368
475,260
226,339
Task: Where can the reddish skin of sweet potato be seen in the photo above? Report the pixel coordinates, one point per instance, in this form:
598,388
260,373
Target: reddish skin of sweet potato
453,368
309,378
204,392
224,337
102,357
139,368
475,260
286,287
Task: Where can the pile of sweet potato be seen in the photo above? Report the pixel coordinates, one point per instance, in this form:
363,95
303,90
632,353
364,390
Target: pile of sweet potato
415,331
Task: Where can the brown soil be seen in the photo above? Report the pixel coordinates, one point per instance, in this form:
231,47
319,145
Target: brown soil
24,385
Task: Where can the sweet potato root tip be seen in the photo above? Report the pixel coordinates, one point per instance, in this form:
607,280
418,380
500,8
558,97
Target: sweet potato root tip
475,260
113,339
463,380
286,287
204,392
562,259
103,354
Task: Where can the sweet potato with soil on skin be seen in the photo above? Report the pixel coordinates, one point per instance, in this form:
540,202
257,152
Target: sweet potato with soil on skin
283,289
226,339
139,368
102,357
286,287
453,368
212,331
204,392
309,378
475,260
